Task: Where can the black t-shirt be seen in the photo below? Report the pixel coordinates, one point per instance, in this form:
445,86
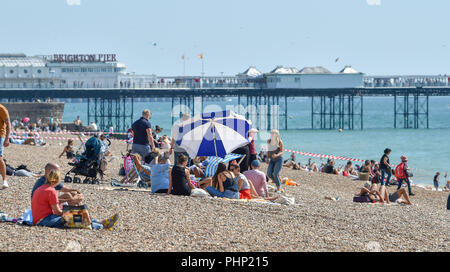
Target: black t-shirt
382,165
140,131
328,169
435,179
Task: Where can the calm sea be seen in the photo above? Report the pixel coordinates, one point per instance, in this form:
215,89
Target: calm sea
428,150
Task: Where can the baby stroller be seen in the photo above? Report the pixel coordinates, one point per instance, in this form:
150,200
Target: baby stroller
90,163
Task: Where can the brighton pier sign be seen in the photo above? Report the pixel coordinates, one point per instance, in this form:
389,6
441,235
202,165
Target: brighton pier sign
84,58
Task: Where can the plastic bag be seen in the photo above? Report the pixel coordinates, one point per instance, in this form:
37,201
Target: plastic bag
199,193
285,200
27,216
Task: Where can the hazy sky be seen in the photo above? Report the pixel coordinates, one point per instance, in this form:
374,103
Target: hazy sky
374,36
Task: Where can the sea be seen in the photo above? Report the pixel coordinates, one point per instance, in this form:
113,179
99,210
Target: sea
428,150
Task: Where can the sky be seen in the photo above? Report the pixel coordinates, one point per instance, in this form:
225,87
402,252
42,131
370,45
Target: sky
376,37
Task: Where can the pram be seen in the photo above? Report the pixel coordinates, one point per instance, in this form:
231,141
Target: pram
90,163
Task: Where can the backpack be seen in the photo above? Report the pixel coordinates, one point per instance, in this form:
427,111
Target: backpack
400,171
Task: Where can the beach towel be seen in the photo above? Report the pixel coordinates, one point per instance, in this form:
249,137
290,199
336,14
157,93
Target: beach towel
214,161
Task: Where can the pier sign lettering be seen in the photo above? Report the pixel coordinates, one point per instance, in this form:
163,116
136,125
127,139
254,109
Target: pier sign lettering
84,58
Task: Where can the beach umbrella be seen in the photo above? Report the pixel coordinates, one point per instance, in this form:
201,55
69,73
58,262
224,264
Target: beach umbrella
212,134
26,119
213,162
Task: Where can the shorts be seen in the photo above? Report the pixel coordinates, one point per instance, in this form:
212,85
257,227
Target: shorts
245,194
142,150
436,184
393,197
2,141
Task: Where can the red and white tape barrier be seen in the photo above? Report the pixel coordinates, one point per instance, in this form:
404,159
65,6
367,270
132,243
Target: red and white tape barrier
316,155
56,138
69,132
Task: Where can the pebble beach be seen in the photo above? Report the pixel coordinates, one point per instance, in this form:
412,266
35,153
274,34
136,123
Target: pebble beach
172,223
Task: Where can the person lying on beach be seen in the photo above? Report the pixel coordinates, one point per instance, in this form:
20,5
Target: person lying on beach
395,196
72,196
223,183
179,178
21,171
47,210
68,149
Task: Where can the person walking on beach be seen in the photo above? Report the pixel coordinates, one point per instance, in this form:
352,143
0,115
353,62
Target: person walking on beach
385,167
143,142
401,172
5,129
251,147
436,181
275,156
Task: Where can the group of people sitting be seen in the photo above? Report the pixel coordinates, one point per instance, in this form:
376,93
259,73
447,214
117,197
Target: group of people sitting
31,138
47,204
180,179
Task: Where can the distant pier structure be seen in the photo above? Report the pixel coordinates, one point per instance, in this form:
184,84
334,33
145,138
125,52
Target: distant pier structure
331,108
336,99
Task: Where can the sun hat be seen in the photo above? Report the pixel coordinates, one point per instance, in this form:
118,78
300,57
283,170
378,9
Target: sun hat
256,163
253,130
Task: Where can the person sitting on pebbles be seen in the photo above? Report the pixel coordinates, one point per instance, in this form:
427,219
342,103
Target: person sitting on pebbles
47,210
447,186
371,193
68,149
72,196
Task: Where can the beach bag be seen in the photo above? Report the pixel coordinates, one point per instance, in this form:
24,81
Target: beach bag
27,217
197,192
76,217
400,171
285,200
361,199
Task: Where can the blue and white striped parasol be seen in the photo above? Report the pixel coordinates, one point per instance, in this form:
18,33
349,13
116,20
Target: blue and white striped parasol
213,161
212,134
